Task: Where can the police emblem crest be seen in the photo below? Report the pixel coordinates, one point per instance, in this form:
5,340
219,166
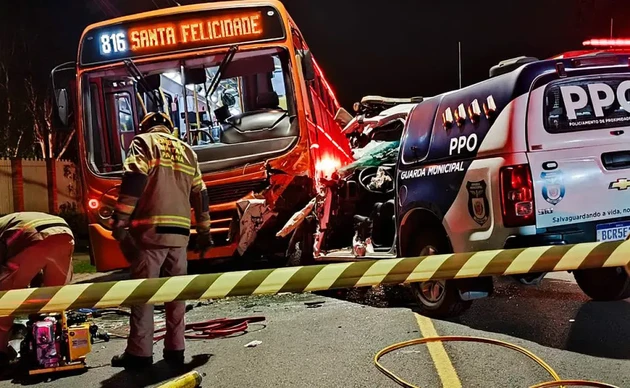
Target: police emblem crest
478,205
553,190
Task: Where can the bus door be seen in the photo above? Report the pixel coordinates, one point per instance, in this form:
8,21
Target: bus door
121,119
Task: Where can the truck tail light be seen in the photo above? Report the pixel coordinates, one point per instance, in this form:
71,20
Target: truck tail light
517,200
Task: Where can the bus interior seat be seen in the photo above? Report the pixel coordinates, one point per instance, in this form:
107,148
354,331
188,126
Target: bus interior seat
268,100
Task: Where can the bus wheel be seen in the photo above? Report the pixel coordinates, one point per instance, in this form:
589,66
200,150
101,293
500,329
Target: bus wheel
604,284
300,250
438,298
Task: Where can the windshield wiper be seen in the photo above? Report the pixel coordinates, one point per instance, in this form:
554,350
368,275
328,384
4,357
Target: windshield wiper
137,75
214,84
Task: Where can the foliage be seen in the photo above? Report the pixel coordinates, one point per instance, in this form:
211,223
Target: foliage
83,266
75,218
26,129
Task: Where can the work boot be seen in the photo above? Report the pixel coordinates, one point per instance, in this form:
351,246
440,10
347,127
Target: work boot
129,361
174,357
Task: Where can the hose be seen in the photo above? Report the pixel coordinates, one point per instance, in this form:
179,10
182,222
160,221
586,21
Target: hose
557,381
215,328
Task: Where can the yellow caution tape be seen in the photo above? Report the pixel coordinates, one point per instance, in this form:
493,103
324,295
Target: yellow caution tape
316,277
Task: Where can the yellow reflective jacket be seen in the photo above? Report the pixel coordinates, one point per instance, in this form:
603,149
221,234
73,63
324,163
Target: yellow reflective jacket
20,230
161,182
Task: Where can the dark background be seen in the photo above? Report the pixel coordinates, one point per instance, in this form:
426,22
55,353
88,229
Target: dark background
396,48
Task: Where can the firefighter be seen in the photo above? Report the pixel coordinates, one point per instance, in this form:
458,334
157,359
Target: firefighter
32,243
152,221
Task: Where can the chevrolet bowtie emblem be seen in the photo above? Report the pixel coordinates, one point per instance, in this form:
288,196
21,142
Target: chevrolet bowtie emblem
620,184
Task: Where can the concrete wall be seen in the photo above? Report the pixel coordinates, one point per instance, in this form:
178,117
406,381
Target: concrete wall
36,193
35,185
68,187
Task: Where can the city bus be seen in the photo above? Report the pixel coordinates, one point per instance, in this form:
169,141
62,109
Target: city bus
242,88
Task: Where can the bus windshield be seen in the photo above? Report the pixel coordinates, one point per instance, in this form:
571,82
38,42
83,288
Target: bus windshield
254,95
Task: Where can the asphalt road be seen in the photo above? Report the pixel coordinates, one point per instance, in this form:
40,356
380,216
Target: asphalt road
332,344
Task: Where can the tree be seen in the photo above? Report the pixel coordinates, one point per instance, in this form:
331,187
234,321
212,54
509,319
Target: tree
53,144
8,147
26,108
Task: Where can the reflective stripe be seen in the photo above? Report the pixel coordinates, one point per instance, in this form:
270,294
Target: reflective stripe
35,223
164,220
133,159
188,170
38,226
41,228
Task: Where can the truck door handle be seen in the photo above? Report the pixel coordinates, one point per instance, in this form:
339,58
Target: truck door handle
616,160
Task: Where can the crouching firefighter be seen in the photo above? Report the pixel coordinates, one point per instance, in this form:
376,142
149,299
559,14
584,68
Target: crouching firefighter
152,221
32,244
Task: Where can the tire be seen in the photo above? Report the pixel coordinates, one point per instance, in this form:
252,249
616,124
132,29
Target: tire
604,284
300,251
440,298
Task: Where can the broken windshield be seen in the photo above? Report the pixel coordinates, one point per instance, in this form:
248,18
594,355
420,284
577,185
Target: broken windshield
255,82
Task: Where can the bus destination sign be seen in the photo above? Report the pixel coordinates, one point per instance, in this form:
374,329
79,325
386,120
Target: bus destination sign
181,32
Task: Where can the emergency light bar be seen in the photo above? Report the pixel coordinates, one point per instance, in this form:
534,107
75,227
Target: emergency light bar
607,42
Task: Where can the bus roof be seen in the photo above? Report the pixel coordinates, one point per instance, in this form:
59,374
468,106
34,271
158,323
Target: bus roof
185,9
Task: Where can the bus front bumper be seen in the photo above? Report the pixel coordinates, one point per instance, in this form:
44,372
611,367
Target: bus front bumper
107,256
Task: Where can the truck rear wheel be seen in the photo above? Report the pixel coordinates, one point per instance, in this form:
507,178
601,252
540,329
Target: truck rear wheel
604,284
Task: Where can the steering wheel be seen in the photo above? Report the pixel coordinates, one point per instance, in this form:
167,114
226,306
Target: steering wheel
208,133
365,178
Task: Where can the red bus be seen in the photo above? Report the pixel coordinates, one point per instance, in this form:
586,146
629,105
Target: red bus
241,86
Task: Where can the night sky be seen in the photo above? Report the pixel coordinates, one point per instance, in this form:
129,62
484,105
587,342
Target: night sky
395,48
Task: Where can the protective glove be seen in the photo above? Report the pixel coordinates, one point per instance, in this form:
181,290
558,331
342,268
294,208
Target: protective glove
121,234
204,242
119,223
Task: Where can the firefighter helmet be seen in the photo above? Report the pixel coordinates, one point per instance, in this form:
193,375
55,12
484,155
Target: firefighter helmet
155,118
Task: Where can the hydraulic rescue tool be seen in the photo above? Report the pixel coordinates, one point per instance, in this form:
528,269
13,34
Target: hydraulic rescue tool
58,342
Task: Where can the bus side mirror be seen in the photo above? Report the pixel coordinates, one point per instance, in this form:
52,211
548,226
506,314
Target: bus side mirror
63,106
308,67
62,78
154,81
195,76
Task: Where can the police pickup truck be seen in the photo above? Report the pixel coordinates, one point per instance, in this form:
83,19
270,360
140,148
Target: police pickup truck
538,154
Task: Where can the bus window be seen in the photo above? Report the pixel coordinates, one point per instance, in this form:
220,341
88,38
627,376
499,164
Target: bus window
95,140
120,117
250,112
125,115
278,83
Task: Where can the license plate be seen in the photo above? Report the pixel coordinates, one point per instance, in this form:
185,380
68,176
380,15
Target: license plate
613,231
